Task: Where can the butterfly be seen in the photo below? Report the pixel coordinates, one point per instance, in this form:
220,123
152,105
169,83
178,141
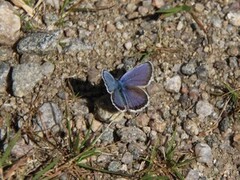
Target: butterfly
127,93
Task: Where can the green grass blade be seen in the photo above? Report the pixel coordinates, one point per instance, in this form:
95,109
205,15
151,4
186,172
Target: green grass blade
9,148
178,174
233,93
46,169
88,153
174,10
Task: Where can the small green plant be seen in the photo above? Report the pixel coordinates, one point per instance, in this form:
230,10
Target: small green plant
234,94
174,163
167,167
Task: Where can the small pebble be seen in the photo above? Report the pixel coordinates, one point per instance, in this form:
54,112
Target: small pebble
192,174
95,125
233,51
158,3
188,68
119,25
10,24
202,72
224,124
204,153
114,166
199,7
110,28
131,134
131,7
127,158
142,120
49,117
4,70
136,149
236,141
142,10
128,45
234,18
141,46
180,25
107,136
191,127
5,53
204,108
173,84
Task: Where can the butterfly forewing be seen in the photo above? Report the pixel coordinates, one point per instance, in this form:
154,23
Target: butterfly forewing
109,81
136,98
138,76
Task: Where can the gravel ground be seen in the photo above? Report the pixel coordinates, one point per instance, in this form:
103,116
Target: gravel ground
51,59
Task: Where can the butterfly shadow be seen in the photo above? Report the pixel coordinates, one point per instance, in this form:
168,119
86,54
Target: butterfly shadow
94,94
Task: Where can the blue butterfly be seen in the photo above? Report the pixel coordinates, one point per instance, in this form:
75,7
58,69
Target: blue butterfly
127,93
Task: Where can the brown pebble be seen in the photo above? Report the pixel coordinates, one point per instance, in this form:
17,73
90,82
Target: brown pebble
110,28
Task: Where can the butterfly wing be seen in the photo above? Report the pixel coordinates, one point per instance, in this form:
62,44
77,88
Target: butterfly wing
138,76
109,81
118,100
136,98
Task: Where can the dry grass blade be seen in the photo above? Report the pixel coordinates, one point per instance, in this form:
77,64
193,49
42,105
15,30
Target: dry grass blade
22,4
10,172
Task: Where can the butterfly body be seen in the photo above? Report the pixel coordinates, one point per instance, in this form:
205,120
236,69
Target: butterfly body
128,93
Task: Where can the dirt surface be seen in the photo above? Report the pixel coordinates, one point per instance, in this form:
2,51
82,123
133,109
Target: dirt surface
54,94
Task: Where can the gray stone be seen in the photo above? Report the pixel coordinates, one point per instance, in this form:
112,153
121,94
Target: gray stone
107,136
188,68
204,153
204,108
4,70
202,72
192,174
9,24
131,134
191,127
114,166
173,84
49,117
224,124
26,76
39,43
5,53
50,18
75,45
21,148
137,150
127,158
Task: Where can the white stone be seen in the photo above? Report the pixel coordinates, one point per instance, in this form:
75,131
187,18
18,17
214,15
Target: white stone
234,18
173,84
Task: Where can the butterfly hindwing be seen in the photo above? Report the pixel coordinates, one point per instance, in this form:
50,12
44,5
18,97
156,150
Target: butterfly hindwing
138,76
118,100
136,98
